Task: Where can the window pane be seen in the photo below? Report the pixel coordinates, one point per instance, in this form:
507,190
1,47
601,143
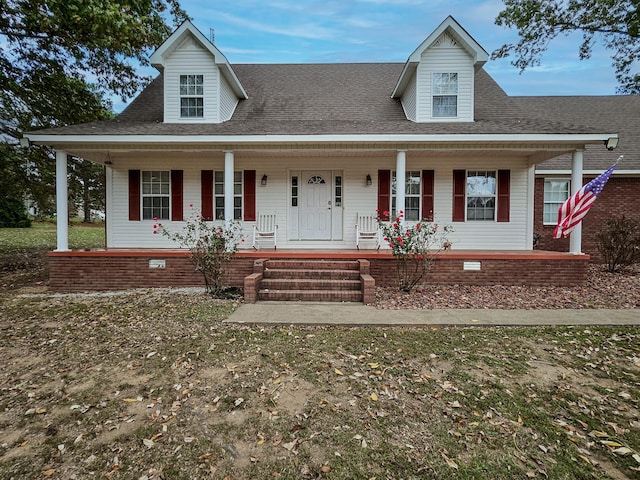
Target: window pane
481,183
551,212
445,106
412,209
480,208
412,187
445,83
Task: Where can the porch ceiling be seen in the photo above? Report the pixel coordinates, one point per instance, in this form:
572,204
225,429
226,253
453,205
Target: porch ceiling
534,153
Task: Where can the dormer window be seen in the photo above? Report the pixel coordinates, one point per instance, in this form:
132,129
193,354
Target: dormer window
191,96
445,94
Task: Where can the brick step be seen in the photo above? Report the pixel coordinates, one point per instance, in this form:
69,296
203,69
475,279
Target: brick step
310,295
310,284
304,264
312,274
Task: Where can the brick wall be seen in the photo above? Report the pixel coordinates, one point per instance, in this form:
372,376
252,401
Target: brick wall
619,196
567,270
81,271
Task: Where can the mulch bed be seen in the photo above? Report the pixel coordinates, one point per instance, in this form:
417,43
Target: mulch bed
602,290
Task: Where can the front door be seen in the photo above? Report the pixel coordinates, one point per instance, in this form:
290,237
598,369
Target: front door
315,205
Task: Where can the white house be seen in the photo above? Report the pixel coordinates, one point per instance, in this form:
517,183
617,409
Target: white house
317,145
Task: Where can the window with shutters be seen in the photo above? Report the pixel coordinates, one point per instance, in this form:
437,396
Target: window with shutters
156,194
481,195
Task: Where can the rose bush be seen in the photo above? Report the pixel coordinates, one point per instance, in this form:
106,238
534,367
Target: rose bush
212,247
414,246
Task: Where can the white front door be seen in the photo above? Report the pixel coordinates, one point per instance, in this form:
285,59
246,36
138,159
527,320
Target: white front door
315,205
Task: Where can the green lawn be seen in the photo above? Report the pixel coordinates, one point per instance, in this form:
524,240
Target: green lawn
42,236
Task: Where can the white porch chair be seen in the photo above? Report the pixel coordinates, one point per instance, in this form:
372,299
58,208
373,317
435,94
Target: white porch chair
265,230
367,230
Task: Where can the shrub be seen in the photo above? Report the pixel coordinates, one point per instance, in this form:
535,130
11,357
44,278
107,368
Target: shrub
414,247
13,214
619,242
212,247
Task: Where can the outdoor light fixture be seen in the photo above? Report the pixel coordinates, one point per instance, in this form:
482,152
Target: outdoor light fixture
263,182
368,180
611,143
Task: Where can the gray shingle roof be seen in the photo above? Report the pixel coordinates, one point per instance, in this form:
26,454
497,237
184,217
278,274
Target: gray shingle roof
614,113
317,99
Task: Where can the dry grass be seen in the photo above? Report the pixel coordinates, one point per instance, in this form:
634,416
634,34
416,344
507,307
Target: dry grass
152,384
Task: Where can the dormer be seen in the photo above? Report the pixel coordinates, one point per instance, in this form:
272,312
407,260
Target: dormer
199,84
437,82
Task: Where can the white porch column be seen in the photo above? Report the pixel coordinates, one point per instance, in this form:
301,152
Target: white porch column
62,203
228,186
575,239
401,168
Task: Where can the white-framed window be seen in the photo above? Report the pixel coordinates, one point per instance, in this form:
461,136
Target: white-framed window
481,195
218,194
156,194
411,195
445,95
556,192
191,96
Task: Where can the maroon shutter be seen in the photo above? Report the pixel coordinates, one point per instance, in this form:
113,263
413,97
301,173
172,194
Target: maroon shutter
384,193
177,207
206,194
428,177
504,188
249,199
134,195
459,188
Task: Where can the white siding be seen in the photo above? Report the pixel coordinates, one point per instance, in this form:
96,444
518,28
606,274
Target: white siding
357,197
228,100
445,56
191,59
409,100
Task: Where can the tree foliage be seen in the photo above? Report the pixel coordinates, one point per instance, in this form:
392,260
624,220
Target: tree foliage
615,24
60,61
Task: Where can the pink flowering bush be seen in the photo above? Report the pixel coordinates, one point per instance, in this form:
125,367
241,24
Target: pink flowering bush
212,247
414,246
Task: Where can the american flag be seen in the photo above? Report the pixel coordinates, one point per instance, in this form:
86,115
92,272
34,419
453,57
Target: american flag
577,205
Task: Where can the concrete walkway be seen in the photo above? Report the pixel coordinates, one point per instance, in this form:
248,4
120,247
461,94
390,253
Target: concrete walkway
307,313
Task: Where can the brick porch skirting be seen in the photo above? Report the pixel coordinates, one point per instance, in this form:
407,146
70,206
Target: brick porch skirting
124,269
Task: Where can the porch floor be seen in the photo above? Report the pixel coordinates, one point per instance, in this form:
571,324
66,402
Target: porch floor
346,253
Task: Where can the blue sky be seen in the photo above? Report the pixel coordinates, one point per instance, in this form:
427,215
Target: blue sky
320,31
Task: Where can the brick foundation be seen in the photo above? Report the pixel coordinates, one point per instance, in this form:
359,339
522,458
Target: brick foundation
566,270
118,270
109,270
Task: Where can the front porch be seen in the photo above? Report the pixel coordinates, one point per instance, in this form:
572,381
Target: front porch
118,269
